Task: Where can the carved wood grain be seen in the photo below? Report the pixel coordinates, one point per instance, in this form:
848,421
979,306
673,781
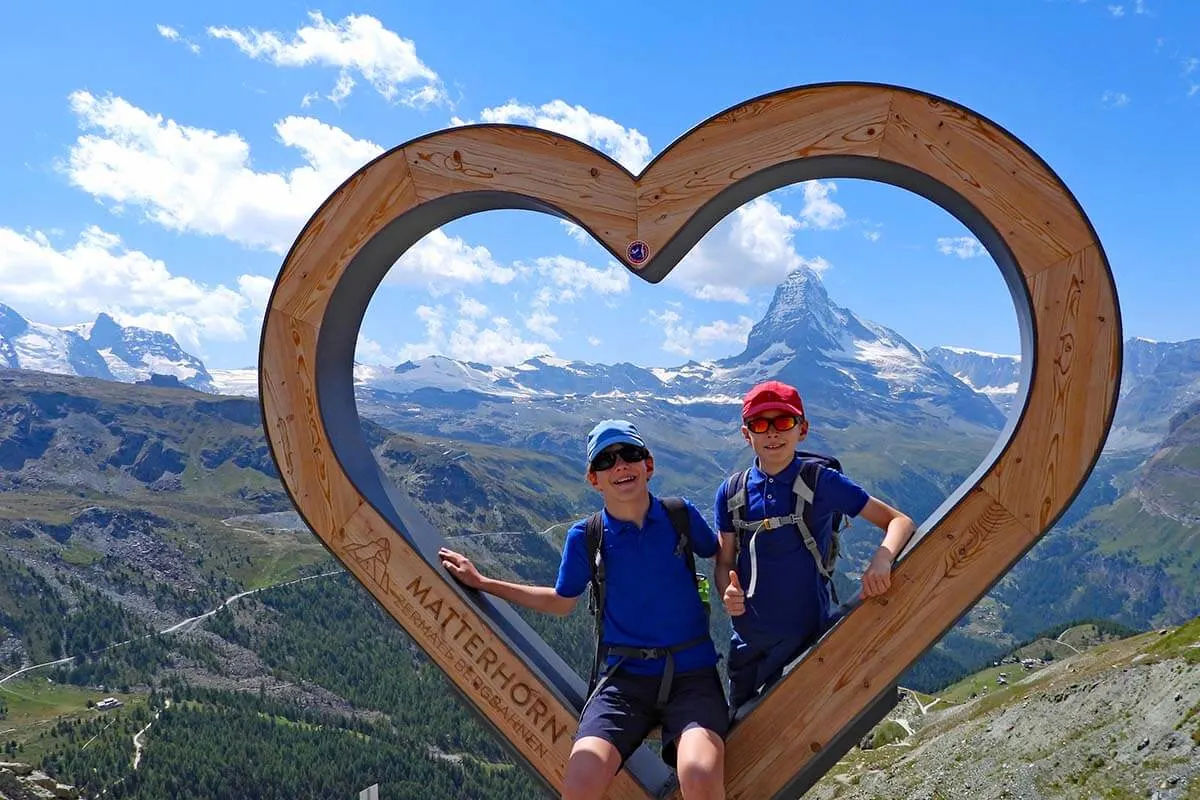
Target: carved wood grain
569,176
372,198
752,137
1078,350
1076,368
1008,184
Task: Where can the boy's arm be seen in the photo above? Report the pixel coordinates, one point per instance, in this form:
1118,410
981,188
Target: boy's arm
730,593
538,598
725,563
898,528
725,577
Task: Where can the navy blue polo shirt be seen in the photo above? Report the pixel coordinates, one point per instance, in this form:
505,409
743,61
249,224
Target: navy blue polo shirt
790,597
650,595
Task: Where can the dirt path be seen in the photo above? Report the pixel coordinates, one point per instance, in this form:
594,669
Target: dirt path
138,746
179,627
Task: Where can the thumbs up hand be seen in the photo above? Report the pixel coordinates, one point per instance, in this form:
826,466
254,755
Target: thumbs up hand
734,598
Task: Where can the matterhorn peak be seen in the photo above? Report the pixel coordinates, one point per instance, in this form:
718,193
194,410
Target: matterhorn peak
800,313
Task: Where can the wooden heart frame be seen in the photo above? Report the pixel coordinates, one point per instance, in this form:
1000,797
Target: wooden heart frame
1028,220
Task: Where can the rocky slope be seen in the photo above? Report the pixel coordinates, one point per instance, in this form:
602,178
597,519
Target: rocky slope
1121,720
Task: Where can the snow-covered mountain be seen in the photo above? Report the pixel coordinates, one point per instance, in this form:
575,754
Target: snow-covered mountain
995,375
1158,380
32,345
99,349
842,364
849,370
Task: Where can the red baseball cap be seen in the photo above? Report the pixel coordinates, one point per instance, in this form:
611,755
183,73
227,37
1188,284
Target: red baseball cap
772,396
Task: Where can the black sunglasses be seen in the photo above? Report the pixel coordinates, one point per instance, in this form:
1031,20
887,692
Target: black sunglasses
630,454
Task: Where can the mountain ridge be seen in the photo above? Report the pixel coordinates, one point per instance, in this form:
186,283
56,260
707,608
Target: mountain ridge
98,349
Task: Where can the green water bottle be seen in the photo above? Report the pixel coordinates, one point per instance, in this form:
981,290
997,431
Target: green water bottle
704,588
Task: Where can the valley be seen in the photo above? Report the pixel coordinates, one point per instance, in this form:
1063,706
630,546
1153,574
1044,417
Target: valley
144,513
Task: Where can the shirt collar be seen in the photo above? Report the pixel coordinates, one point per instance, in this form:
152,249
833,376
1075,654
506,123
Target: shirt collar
657,513
786,475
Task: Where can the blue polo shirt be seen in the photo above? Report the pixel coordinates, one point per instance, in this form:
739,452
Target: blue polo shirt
650,596
790,597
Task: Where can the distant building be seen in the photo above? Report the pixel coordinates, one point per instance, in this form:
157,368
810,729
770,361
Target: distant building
107,703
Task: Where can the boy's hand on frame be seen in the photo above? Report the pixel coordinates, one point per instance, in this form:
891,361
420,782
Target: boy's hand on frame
878,577
734,598
461,568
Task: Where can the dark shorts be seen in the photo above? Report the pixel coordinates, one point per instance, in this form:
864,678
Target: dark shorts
622,712
758,664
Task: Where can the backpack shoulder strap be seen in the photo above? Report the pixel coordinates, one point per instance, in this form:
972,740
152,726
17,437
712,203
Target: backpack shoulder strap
681,521
594,537
594,533
803,489
805,486
810,473
735,498
735,501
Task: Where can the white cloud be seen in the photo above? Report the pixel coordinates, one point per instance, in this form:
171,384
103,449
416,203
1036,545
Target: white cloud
1117,11
961,246
627,146
433,319
257,290
1190,65
97,273
872,235
369,351
500,344
593,341
751,248
819,211
172,34
341,89
542,323
682,339
724,331
678,337
574,278
577,233
357,44
471,308
439,261
199,180
1114,99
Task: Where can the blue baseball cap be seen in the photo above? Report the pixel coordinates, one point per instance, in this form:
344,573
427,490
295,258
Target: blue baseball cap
610,432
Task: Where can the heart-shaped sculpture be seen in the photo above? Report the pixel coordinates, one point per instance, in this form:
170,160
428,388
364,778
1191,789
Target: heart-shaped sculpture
1033,227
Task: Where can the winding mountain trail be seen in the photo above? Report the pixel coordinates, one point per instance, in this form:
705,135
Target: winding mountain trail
179,627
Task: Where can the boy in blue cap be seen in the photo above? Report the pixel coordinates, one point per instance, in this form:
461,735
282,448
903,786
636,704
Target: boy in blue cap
774,587
661,661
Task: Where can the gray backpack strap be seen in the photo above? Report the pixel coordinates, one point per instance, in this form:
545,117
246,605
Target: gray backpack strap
735,500
804,497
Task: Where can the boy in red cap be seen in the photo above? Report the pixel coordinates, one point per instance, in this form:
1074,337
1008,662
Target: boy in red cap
771,570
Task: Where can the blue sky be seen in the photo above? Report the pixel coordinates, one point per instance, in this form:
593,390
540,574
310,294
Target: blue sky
158,161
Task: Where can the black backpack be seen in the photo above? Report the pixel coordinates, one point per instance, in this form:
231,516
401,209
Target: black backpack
678,513
803,488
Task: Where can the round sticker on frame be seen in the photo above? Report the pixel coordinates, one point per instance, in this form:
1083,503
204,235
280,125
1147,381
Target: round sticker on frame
638,252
